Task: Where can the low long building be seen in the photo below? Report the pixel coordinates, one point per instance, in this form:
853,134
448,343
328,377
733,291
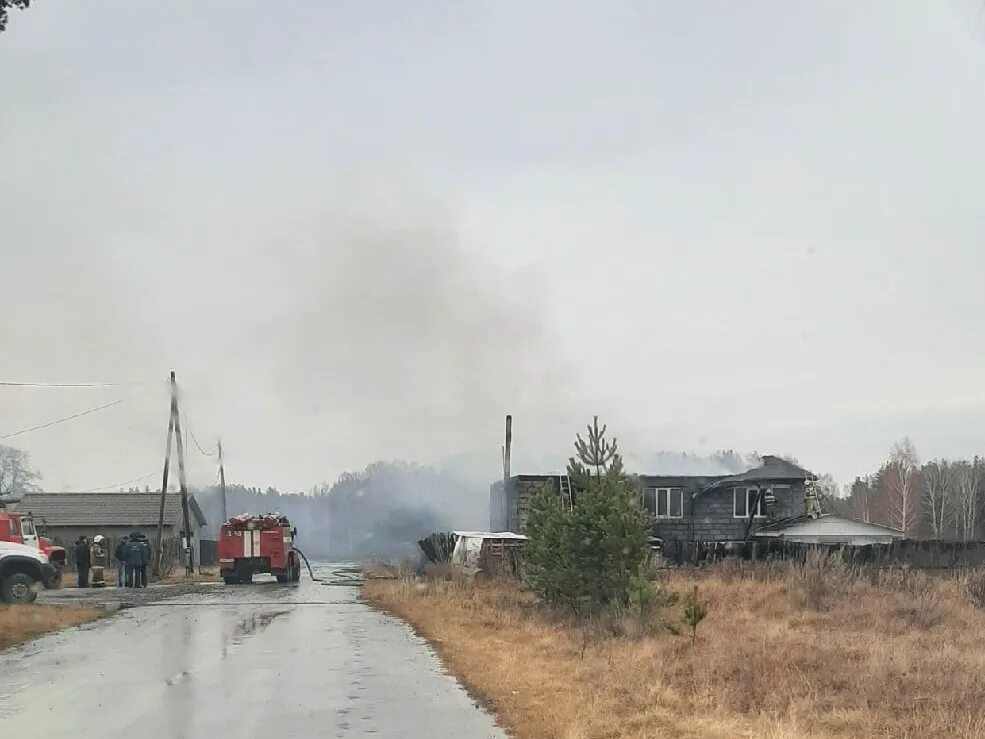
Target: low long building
64,517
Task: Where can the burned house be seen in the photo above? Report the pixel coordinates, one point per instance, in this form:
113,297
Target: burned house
726,507
772,501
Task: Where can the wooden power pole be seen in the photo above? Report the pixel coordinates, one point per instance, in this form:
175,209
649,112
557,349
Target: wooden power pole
159,559
187,534
174,432
222,485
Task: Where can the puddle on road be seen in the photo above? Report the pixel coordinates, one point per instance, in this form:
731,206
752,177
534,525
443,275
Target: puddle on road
350,576
253,623
240,627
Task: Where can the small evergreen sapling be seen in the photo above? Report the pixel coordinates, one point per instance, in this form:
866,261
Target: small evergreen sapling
694,613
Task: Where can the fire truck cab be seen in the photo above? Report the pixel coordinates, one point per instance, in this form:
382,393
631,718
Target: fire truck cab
249,544
20,528
23,570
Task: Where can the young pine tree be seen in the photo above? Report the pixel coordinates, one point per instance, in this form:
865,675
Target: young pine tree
611,543
597,451
546,559
592,556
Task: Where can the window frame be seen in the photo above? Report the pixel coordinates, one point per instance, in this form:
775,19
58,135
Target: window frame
665,493
749,492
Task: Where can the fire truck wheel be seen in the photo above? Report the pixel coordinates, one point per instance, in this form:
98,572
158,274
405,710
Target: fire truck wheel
285,577
55,581
18,588
296,572
229,580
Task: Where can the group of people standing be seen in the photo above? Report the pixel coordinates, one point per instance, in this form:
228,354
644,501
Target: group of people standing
132,556
132,559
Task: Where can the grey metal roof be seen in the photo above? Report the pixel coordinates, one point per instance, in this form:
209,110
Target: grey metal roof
786,523
108,509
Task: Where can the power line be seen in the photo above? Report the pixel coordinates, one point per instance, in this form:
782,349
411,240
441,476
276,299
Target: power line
62,384
62,420
188,428
121,483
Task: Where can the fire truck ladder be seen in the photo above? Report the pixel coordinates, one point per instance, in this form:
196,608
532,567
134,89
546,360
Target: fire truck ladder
564,487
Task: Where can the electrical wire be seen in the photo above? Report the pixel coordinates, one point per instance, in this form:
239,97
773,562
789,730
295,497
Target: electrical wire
207,454
122,482
188,427
65,384
62,420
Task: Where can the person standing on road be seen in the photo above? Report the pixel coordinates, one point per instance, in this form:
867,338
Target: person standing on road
132,556
119,554
144,560
138,557
83,559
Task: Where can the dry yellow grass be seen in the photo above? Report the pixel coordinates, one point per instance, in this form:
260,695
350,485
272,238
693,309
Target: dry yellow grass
22,623
784,652
175,576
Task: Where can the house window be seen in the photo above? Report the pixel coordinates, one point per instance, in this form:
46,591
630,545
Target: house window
745,500
664,502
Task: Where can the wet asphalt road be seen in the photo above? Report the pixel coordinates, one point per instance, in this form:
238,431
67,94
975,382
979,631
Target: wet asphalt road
261,660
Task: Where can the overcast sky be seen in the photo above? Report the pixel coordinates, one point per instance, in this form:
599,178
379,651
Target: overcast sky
364,231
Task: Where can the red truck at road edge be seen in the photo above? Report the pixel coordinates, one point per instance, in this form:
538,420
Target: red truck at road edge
250,544
21,528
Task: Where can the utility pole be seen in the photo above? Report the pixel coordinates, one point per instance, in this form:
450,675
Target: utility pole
187,533
222,484
158,561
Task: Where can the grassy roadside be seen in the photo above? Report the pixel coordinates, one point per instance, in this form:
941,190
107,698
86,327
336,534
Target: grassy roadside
176,576
25,622
784,652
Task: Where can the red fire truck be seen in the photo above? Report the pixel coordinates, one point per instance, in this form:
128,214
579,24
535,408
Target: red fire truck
249,544
20,528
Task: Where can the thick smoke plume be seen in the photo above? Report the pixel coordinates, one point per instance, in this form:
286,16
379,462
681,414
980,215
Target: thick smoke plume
355,342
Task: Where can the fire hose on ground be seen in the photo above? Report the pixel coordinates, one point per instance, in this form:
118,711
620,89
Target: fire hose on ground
310,571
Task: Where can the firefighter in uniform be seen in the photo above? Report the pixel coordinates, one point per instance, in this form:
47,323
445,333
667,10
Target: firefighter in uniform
99,558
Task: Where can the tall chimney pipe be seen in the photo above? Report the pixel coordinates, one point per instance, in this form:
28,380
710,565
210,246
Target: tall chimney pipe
509,444
507,449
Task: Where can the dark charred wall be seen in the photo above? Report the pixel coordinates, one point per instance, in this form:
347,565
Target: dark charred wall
708,516
510,513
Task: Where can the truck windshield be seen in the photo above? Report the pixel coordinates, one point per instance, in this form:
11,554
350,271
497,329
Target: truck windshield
27,527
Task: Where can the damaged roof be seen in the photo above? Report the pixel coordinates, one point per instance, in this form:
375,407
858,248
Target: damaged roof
772,469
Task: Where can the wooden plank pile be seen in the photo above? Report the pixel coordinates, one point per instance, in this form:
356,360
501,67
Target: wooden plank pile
438,547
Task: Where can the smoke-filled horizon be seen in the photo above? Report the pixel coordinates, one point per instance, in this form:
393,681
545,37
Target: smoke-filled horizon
384,509
361,235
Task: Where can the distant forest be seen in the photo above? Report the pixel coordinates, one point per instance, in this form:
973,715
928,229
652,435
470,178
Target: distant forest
938,499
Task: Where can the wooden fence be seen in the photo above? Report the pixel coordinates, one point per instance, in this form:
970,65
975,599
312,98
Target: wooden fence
913,553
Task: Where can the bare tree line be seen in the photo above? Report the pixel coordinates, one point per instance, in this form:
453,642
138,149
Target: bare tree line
938,499
17,476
